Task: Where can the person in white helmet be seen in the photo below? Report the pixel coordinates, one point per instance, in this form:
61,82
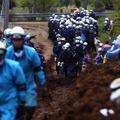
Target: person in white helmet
86,53
12,86
115,91
99,57
31,65
7,40
66,57
78,55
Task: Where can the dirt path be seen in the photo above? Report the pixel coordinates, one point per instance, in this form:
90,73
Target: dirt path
58,87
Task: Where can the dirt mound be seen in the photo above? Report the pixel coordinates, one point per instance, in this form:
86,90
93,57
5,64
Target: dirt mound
92,93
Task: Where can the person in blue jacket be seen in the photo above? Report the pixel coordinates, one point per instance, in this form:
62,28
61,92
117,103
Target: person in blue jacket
7,39
12,86
31,65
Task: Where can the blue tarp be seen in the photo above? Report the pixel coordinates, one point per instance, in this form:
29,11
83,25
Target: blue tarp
83,38
115,49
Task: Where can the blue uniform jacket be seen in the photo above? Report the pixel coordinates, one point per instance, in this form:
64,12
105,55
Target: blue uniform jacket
30,63
12,84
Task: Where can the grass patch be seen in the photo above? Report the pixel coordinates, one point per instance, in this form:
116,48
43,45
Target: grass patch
103,36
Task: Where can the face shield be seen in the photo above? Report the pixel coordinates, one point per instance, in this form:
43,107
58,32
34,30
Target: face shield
17,36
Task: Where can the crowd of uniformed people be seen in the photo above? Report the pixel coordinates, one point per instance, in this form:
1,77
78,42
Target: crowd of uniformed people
75,36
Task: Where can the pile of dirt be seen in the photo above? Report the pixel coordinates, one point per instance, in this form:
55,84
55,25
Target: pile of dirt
79,98
91,94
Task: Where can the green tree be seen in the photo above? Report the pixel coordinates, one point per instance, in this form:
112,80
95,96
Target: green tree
0,4
65,2
77,3
116,4
41,5
85,3
12,3
45,5
99,6
28,4
108,4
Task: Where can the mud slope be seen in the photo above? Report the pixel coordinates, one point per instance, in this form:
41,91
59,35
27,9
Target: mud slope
92,94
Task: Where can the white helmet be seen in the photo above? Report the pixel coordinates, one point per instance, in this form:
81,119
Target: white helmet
62,39
106,19
100,44
77,38
99,49
77,41
67,44
115,96
115,84
85,43
91,10
58,35
17,32
7,32
64,47
105,22
2,48
81,41
59,43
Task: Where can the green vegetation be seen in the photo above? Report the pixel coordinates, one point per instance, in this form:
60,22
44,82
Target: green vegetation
102,34
99,6
52,5
32,6
116,27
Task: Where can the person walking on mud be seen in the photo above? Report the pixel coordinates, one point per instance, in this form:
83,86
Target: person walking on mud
12,86
31,65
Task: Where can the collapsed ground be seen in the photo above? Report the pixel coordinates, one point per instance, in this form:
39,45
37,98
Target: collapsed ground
73,98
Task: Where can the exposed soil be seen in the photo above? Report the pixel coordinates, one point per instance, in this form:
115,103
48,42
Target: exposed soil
73,98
